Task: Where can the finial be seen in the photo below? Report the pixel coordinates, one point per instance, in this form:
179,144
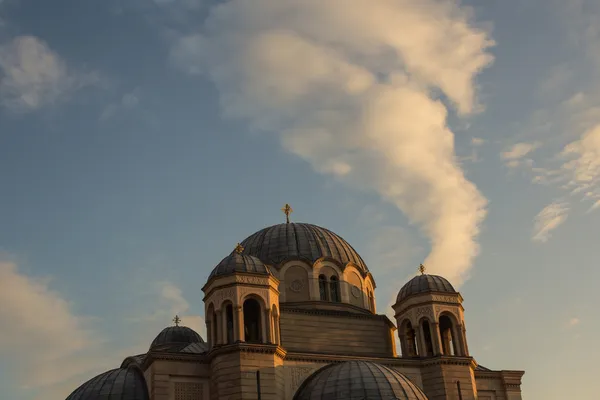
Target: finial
239,248
287,210
177,320
422,269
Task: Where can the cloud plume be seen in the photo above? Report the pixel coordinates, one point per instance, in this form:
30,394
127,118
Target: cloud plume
361,93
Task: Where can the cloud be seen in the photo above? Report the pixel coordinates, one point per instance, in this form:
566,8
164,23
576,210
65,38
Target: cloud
127,102
573,321
42,331
548,219
519,150
357,92
33,76
168,302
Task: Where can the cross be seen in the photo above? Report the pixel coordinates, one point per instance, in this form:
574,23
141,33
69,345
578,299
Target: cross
422,269
287,210
177,320
239,248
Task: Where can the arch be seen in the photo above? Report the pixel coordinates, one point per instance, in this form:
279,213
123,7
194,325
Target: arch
355,287
334,289
450,333
252,311
408,339
425,325
327,268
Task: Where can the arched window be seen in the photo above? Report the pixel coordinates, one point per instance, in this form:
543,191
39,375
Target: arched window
371,301
229,316
215,329
252,321
411,341
446,334
427,336
323,288
334,285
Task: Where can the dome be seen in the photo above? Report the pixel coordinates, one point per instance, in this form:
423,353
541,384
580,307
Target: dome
425,283
236,262
116,384
358,380
176,335
278,243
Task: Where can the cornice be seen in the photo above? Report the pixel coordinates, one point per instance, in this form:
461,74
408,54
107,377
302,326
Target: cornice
186,357
332,313
248,348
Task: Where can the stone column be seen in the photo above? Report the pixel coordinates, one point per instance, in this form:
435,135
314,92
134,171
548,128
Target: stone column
437,339
211,341
239,324
421,341
266,335
457,340
403,346
276,328
462,338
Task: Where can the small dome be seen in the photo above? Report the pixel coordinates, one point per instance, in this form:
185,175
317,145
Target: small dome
236,262
358,380
289,241
116,384
425,283
176,335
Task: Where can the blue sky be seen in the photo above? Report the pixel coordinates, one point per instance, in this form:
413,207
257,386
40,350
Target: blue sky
141,140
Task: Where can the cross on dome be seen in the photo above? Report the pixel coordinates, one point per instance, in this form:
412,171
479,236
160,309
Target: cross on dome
422,269
287,210
239,249
177,320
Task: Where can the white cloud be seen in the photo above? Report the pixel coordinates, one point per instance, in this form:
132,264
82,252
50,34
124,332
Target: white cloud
32,75
40,331
351,90
574,321
477,141
127,102
548,219
518,151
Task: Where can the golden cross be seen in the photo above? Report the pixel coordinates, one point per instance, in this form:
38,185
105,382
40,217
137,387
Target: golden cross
287,210
239,248
177,320
422,269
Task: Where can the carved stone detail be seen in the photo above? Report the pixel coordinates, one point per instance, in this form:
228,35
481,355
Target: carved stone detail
444,299
222,295
298,374
251,280
243,291
355,291
441,309
297,285
423,312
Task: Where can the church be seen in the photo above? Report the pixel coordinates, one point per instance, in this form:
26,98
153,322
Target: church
290,315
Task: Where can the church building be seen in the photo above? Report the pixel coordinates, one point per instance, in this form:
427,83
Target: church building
290,315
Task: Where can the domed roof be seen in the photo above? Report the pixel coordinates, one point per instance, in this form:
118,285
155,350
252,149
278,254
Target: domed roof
425,283
176,335
236,262
358,380
279,243
116,384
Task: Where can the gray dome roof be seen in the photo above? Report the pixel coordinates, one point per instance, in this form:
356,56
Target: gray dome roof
358,380
425,283
236,262
278,243
175,335
116,384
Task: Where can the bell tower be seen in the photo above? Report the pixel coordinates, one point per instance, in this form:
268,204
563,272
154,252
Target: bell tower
430,320
242,320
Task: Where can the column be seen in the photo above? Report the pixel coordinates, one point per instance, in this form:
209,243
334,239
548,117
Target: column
463,339
421,341
437,339
239,324
266,334
211,341
218,327
277,333
403,346
457,340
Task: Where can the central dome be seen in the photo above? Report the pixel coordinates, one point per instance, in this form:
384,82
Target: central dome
279,243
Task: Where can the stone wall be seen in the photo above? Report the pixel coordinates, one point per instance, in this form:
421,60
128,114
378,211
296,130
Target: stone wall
335,333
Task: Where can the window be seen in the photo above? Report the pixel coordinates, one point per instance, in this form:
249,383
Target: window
323,289
229,316
252,321
334,285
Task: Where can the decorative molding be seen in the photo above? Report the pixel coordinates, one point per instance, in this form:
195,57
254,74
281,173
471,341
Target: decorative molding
444,299
297,285
262,293
423,312
220,295
188,390
251,280
356,292
448,309
298,375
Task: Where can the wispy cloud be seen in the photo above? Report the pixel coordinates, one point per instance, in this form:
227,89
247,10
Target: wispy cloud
127,102
33,76
350,92
515,155
573,322
548,219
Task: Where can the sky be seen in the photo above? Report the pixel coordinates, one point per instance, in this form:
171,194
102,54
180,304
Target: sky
140,140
